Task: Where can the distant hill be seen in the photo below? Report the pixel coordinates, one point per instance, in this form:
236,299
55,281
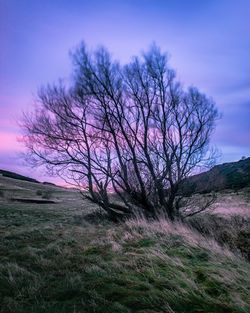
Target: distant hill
234,175
17,176
49,184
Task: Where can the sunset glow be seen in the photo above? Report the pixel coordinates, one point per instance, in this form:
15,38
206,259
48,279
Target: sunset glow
207,51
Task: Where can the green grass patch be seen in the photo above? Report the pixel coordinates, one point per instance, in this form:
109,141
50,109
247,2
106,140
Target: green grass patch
49,263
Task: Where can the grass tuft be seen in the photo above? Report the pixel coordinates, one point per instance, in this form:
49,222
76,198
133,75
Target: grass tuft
53,261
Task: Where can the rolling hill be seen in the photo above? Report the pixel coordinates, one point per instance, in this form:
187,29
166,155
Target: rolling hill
233,175
66,257
10,174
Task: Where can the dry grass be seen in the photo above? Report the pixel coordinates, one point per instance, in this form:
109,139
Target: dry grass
231,202
228,231
55,258
163,228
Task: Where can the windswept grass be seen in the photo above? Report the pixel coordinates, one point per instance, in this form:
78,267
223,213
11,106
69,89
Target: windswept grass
230,231
55,260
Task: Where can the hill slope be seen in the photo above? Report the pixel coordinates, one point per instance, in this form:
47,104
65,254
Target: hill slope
234,175
54,261
10,174
64,257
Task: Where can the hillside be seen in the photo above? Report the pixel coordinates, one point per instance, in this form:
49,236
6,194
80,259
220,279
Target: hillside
23,190
66,257
55,259
233,175
13,175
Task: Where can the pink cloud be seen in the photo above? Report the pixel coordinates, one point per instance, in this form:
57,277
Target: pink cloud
9,142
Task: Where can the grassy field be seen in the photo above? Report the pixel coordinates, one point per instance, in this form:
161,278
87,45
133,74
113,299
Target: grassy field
59,258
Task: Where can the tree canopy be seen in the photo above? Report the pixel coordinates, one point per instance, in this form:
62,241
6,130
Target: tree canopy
126,134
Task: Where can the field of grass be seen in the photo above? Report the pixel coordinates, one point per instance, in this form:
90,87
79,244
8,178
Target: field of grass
231,203
58,258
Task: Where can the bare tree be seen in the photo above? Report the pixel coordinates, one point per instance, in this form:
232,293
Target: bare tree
126,134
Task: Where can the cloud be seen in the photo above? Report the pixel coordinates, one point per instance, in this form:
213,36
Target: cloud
208,42
9,142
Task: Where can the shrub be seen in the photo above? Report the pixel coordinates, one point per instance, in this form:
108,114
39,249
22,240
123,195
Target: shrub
45,194
2,194
233,232
39,193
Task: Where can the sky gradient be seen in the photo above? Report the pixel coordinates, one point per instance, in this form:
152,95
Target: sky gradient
208,41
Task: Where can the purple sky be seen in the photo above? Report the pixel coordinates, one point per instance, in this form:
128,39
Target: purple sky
208,41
